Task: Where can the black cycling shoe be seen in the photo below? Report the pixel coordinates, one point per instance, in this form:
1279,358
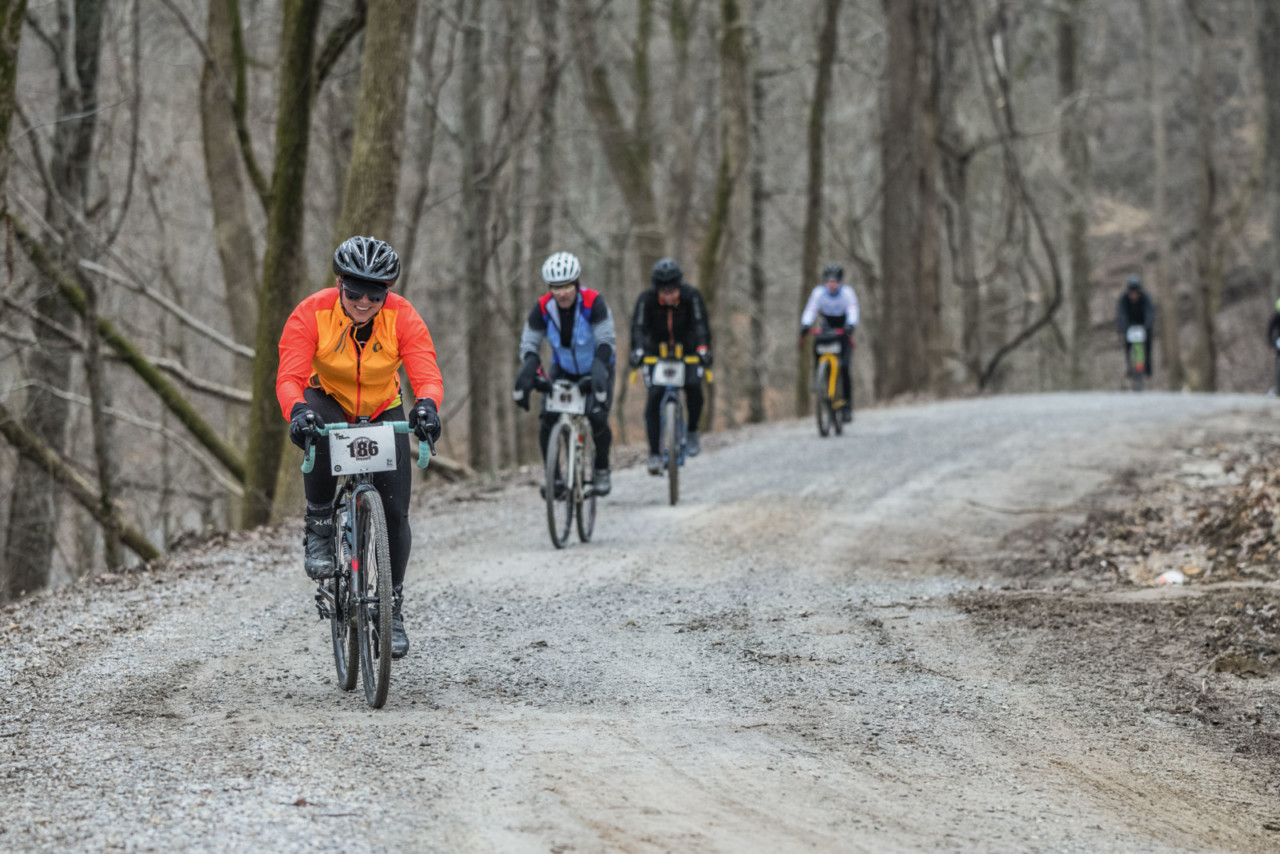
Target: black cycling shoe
318,541
399,640
600,484
846,414
692,443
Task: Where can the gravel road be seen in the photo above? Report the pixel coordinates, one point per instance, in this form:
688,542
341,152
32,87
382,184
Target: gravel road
779,663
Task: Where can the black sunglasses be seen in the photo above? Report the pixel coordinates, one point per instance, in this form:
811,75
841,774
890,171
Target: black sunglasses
354,295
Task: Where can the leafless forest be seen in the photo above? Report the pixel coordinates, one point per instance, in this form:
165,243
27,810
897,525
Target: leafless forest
988,171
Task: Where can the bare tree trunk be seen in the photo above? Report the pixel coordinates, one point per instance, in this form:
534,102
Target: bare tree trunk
373,175
1269,60
902,354
680,23
1205,377
33,513
12,572
756,358
543,231
933,64
476,189
284,267
627,153
232,233
731,196
11,15
813,195
1074,145
1164,290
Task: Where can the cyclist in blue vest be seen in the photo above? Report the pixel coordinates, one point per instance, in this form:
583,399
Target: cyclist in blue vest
579,326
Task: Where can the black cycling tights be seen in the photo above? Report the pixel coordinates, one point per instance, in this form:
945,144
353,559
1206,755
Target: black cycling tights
393,486
692,402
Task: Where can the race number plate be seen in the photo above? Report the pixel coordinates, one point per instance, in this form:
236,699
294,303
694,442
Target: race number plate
669,374
358,450
824,349
566,397
1136,335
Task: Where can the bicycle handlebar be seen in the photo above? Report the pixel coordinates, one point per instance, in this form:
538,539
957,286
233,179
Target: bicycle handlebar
309,451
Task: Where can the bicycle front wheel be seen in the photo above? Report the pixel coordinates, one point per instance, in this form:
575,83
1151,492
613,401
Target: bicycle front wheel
671,445
558,487
586,492
823,403
373,596
342,627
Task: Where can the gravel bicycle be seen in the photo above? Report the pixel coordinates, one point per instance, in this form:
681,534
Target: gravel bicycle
568,489
1136,340
827,382
356,598
669,374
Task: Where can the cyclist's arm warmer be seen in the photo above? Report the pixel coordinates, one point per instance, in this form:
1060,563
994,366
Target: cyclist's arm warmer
811,307
851,313
297,349
418,354
701,329
535,329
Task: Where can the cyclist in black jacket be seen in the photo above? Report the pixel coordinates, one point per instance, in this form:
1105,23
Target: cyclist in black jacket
1134,309
671,312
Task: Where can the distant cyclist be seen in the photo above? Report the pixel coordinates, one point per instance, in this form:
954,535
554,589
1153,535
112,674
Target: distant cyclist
579,326
1134,309
340,358
671,312
835,306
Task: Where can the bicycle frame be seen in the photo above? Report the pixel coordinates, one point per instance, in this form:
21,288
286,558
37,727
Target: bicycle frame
671,393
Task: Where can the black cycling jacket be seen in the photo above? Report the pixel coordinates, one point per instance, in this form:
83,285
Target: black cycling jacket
684,323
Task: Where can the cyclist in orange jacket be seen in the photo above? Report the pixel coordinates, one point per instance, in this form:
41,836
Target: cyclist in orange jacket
340,356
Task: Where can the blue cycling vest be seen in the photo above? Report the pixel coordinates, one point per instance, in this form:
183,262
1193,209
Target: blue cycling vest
577,358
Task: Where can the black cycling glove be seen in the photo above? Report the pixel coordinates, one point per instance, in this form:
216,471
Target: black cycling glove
525,380
303,421
425,421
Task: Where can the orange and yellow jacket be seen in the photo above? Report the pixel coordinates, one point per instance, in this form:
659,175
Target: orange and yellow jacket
318,349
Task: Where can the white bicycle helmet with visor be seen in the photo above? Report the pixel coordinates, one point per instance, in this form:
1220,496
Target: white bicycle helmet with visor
562,268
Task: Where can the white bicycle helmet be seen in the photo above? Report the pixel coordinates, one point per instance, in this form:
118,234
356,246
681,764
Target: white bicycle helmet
561,269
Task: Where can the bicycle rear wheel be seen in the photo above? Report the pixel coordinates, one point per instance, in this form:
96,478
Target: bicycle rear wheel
822,403
586,493
559,501
373,595
671,446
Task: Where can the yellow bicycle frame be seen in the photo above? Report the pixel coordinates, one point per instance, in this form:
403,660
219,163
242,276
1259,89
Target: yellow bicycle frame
832,377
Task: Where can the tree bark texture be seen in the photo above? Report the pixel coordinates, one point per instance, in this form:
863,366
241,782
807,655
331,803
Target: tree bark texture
11,15
757,302
902,351
476,190
1269,60
1073,143
228,199
373,175
814,187
626,152
1206,352
284,268
1164,291
33,514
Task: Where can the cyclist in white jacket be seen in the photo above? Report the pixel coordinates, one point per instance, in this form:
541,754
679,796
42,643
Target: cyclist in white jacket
833,305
